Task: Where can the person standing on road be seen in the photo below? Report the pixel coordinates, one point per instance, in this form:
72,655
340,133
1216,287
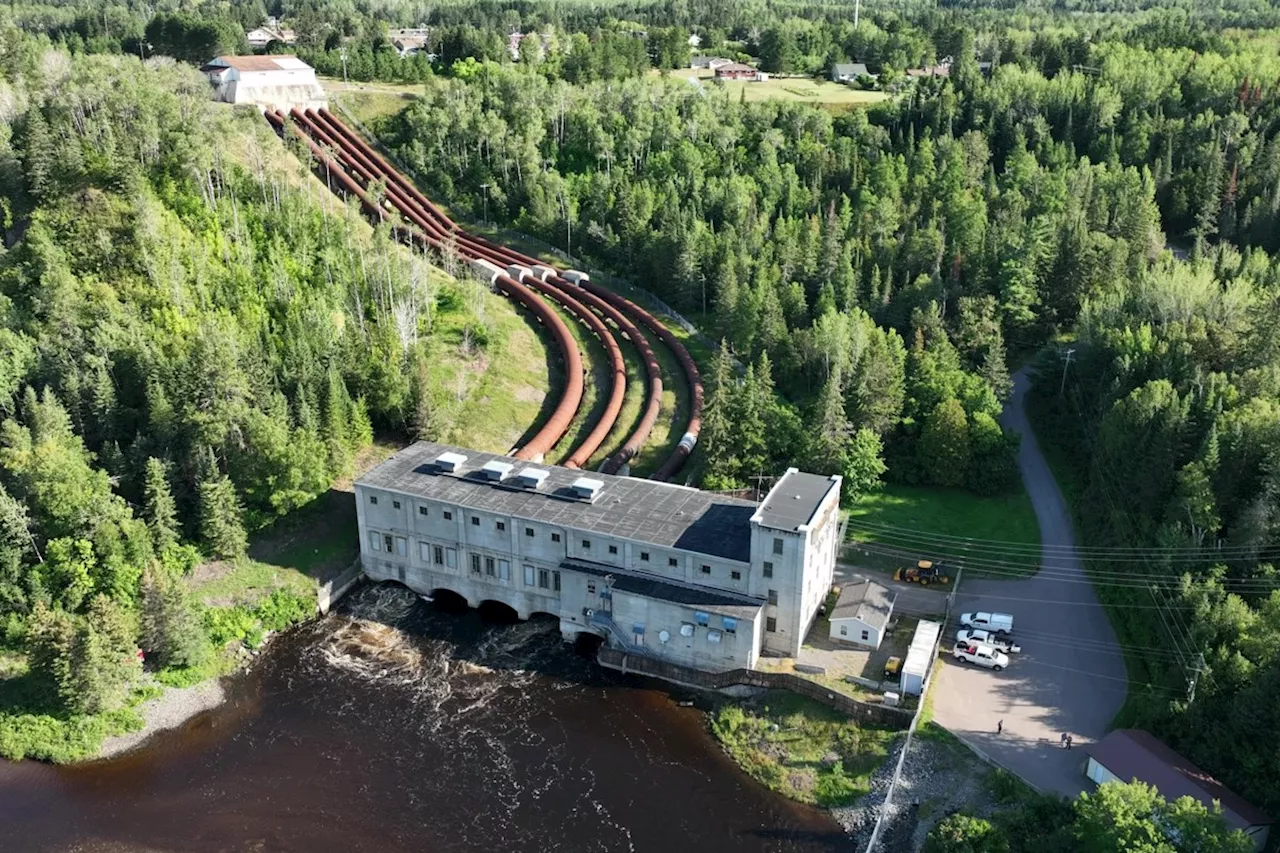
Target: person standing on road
1062,741
1000,727
1068,741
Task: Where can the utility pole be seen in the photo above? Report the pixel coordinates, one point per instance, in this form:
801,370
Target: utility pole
1066,362
857,9
1194,677
343,53
485,187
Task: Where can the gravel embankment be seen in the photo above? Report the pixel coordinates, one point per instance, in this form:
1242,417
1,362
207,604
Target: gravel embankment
936,781
167,711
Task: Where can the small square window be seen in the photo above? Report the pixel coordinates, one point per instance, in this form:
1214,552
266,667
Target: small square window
736,575
865,635
422,510
768,569
528,531
395,504
644,556
475,521
555,537
586,543
672,562
373,499
613,549
448,516
502,525
706,570
773,596
770,624
777,545
844,630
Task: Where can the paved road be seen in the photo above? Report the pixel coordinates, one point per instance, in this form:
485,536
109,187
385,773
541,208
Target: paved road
1070,676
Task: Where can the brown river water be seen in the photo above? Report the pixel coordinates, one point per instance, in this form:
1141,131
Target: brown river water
393,725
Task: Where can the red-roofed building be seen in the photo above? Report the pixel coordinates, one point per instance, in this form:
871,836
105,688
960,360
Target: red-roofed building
1128,754
735,71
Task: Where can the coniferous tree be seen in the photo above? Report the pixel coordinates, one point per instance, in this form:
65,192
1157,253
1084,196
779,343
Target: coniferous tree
162,512
221,517
172,633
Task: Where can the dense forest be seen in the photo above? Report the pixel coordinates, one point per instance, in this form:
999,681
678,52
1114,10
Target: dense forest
876,270
193,342
1094,188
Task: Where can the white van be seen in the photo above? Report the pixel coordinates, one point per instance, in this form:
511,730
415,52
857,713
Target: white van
1000,624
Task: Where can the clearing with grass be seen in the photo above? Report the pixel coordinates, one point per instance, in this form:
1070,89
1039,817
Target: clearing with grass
799,748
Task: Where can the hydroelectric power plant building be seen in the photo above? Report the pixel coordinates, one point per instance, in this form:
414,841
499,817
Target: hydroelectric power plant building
671,572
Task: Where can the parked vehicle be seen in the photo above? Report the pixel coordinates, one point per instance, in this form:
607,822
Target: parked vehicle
987,638
1000,624
924,573
982,655
893,669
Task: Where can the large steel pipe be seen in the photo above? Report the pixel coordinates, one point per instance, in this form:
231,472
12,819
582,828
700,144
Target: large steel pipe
444,225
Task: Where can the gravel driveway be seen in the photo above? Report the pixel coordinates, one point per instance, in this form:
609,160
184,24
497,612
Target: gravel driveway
1070,676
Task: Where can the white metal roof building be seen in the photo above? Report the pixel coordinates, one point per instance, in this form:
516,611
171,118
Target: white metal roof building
282,82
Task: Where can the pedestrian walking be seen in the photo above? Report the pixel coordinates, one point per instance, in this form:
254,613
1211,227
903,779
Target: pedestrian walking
1000,727
1068,741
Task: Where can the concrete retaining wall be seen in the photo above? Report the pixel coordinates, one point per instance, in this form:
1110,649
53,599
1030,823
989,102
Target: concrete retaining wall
332,590
898,718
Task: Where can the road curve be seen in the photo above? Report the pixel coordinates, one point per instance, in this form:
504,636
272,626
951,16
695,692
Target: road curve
1070,677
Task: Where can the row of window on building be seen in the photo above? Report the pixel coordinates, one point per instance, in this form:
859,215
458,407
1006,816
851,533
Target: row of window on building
446,557
672,562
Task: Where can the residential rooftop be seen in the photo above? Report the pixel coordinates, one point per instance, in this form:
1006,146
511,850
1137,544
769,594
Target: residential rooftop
660,514
794,500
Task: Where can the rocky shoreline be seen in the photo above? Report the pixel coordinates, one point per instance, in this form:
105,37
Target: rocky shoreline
167,711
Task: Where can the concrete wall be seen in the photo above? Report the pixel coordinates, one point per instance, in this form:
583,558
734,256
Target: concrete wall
802,573
884,715
714,646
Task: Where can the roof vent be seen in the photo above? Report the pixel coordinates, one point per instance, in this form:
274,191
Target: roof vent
531,478
587,488
450,461
496,469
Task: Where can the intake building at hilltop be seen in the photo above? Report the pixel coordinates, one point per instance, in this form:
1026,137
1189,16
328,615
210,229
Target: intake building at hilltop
667,571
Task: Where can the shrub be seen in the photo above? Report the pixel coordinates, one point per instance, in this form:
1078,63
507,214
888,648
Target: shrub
284,608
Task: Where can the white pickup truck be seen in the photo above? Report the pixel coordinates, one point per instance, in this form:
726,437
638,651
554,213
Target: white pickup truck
1000,624
988,639
982,655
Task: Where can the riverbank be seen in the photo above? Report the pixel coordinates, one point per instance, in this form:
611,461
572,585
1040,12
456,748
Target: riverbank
169,710
802,749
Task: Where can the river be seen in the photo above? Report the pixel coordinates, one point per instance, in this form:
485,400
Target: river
393,725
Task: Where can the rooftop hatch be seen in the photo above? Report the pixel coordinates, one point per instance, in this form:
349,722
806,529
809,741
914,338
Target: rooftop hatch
496,469
450,461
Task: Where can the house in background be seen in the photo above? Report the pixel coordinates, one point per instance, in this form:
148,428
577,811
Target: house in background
847,72
409,41
1128,754
735,71
861,615
260,37
711,62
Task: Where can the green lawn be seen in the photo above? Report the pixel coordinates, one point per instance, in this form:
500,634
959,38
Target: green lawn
805,90
802,749
900,524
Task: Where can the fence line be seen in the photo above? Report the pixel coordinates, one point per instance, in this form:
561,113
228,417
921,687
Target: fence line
886,715
915,719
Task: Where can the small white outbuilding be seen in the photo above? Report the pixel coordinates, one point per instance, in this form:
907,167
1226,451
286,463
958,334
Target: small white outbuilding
862,613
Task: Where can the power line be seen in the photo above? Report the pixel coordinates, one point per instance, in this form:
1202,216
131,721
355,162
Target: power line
1026,570
1013,545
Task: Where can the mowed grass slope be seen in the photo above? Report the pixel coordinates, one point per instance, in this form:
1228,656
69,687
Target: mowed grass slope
998,536
806,90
